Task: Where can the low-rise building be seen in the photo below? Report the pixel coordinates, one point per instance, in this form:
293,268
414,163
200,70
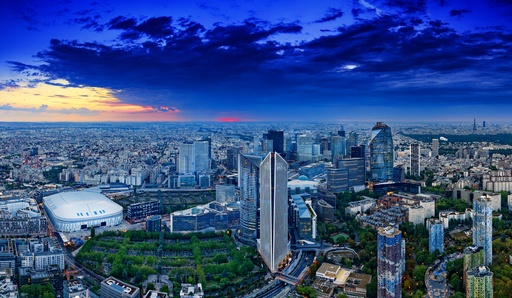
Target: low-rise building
191,291
361,206
113,288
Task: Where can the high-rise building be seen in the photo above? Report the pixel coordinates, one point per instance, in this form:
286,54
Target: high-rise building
277,136
398,173
473,257
352,139
232,157
273,244
474,124
304,148
193,157
436,235
338,147
202,153
390,262
357,151
381,153
414,164
337,180
341,132
356,170
186,158
435,147
482,226
479,283
249,183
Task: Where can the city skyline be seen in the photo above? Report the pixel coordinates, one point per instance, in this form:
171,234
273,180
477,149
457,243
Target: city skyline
255,61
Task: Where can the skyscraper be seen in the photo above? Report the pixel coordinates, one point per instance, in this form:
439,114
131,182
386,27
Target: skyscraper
338,147
482,226
341,132
352,139
186,158
249,183
277,136
232,157
414,163
381,153
435,147
193,157
479,283
273,242
304,148
474,124
435,235
390,261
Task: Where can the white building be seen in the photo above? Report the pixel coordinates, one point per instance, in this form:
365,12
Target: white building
78,210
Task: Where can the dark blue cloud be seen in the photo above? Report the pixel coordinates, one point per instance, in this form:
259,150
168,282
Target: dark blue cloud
163,61
331,15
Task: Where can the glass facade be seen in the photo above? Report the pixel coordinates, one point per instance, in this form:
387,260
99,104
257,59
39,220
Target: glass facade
482,227
338,147
415,160
273,242
249,183
381,153
390,262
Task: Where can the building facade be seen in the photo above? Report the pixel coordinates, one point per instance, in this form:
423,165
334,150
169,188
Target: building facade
249,183
390,262
273,244
435,235
479,283
482,226
381,153
414,163
113,288
142,210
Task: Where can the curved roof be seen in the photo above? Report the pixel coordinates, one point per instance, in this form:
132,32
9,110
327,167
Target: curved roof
81,205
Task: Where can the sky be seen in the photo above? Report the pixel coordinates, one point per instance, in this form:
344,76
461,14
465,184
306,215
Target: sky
255,60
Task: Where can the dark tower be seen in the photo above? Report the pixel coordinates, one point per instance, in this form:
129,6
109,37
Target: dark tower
474,124
277,136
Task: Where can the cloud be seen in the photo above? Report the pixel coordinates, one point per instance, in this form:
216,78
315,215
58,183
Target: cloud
458,12
182,65
331,15
45,109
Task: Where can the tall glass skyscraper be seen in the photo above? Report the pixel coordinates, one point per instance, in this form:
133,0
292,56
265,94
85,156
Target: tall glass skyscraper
381,153
338,147
436,235
482,226
273,242
249,183
390,262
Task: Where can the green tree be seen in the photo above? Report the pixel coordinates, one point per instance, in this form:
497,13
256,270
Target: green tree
93,232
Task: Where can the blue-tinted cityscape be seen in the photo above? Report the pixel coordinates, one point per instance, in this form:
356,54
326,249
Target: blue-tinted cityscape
255,149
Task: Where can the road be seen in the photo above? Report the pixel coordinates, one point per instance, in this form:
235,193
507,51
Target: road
436,279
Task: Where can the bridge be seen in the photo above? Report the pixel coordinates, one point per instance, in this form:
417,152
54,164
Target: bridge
292,280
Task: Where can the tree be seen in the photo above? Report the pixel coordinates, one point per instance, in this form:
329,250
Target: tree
150,286
93,232
164,289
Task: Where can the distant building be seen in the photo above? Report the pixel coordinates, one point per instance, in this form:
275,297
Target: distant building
381,153
398,174
191,291
482,227
390,262
209,217
75,289
337,180
338,147
21,217
302,185
436,235
356,171
154,224
113,288
304,148
277,137
8,287
414,162
273,244
225,193
194,157
232,158
50,274
479,283
141,210
435,147
361,206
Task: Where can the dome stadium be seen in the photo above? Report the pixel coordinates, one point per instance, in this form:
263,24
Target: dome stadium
79,210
